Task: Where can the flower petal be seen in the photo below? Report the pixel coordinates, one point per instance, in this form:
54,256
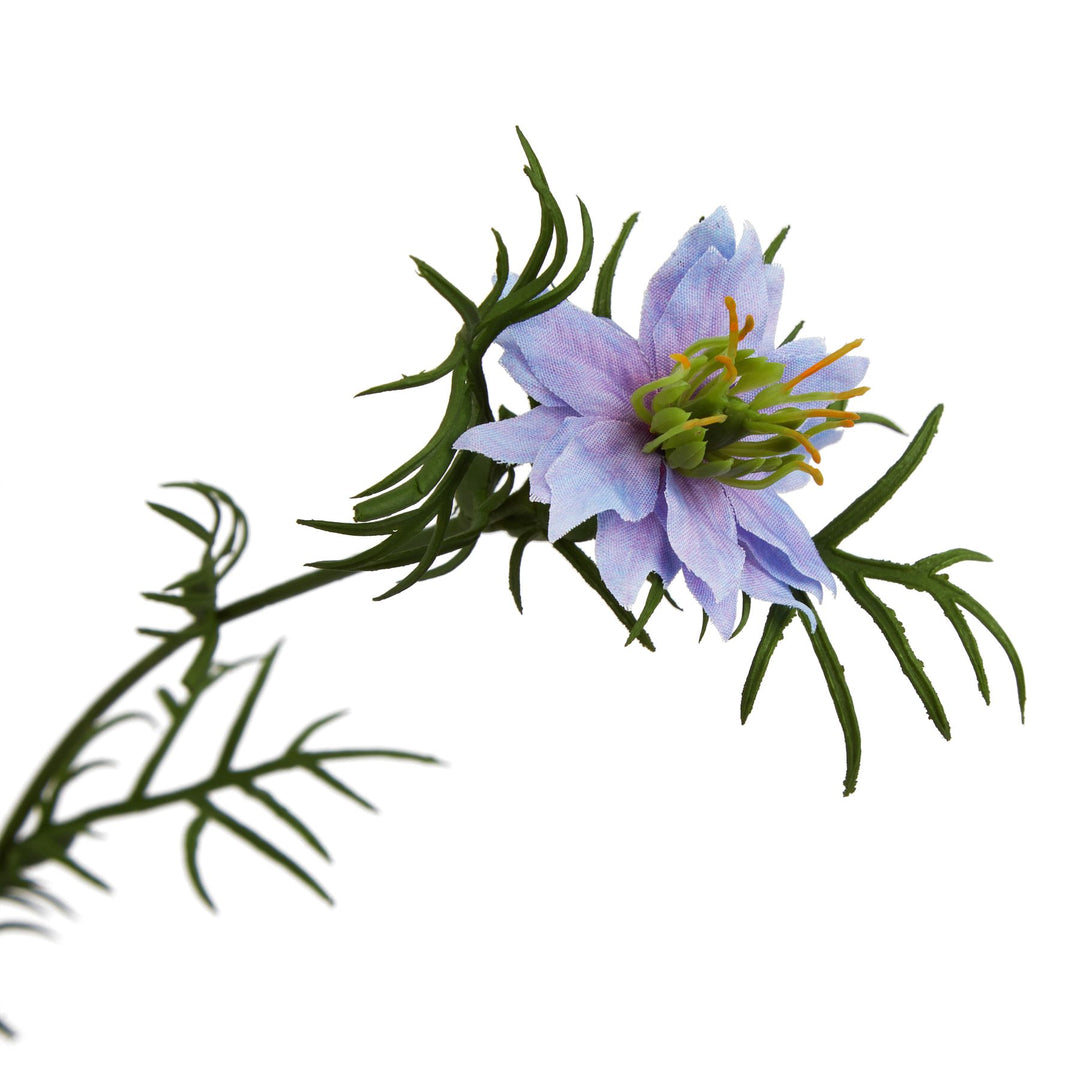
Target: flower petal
701,529
514,363
768,522
761,585
602,468
720,609
516,440
628,551
765,340
766,516
715,231
577,358
538,485
697,310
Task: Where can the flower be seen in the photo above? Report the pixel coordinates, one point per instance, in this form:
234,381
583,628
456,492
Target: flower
681,442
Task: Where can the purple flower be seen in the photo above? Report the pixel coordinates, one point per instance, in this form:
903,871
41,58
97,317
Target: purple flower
681,442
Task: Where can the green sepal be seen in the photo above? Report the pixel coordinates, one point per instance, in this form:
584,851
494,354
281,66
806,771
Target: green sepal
589,573
652,601
606,277
875,497
743,616
794,332
774,246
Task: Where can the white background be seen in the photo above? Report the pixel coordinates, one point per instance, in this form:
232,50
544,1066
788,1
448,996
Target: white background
205,216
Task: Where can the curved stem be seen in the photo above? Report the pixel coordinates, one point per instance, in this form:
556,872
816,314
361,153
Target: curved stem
274,595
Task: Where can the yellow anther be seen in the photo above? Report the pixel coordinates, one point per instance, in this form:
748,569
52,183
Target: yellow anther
815,473
823,363
834,414
798,436
747,327
704,421
679,358
729,365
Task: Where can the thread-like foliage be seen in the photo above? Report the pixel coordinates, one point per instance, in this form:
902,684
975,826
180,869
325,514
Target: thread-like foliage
39,832
855,573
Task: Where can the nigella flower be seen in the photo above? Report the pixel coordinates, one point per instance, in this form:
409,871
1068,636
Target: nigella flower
682,441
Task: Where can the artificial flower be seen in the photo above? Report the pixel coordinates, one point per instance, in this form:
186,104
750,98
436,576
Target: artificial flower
682,442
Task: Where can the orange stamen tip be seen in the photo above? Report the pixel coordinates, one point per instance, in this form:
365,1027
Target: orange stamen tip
748,327
818,478
679,358
824,362
729,303
704,421
798,436
833,414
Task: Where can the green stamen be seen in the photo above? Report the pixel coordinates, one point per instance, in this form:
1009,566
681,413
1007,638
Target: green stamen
703,391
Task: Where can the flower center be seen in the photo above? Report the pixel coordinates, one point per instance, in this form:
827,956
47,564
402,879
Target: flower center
705,426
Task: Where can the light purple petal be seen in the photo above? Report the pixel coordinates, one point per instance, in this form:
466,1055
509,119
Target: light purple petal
720,609
602,468
538,486
715,231
775,563
765,516
575,357
697,310
628,551
764,334
761,585
514,363
701,530
516,440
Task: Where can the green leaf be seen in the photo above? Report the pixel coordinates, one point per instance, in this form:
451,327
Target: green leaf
454,422
502,273
652,602
971,646
431,553
833,671
283,813
742,617
191,843
972,605
893,631
873,499
572,280
516,554
298,743
932,564
33,928
244,715
882,421
263,846
794,332
449,292
76,868
586,568
774,247
332,781
421,378
183,521
602,296
776,622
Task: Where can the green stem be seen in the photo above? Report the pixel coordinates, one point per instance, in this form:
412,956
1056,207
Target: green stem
285,590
